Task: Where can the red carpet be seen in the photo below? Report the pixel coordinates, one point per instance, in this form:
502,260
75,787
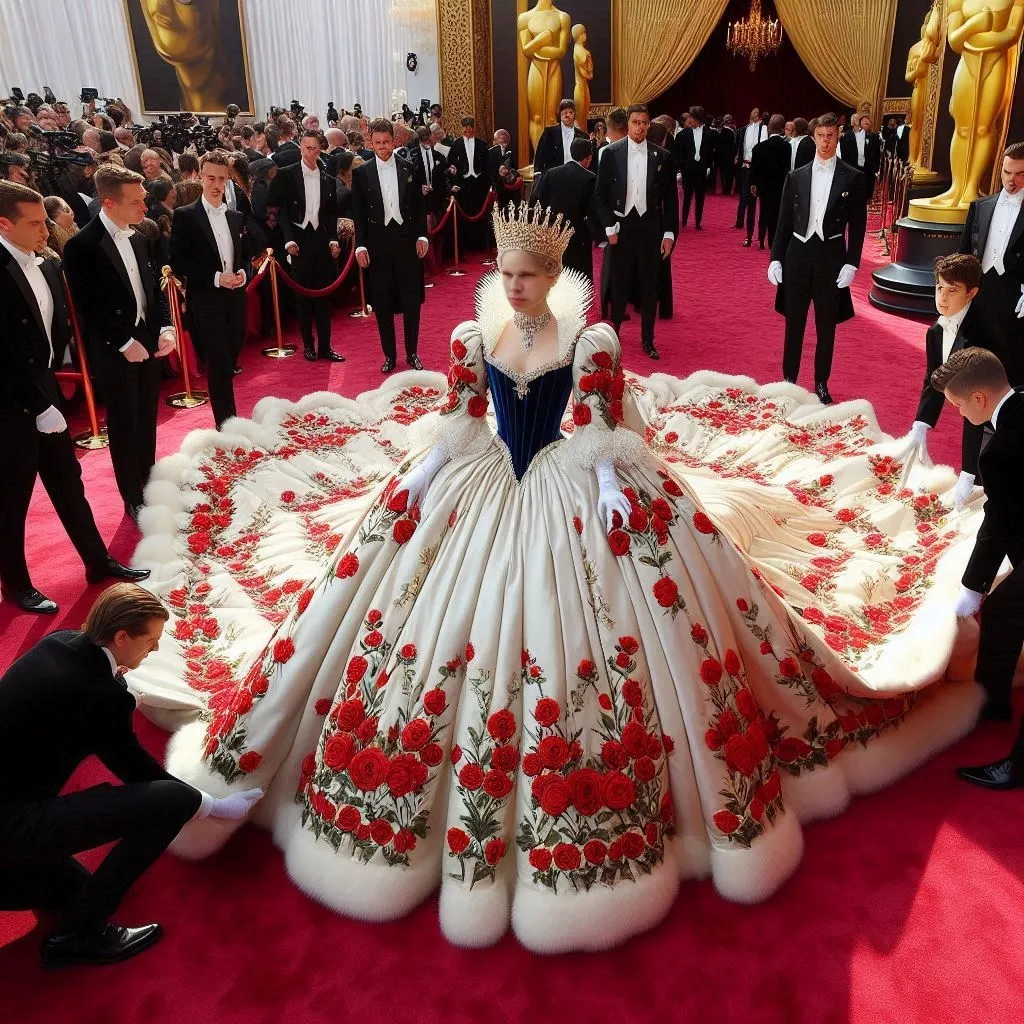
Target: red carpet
905,909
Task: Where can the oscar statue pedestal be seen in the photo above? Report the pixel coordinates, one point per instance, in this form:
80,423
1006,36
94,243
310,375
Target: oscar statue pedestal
907,286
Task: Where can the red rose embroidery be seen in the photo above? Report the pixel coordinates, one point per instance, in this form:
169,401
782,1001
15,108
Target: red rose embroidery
567,857
505,758
585,669
540,858
595,851
633,845
618,541
581,414
403,530
629,644
699,634
791,749
819,540
405,840
726,822
348,819
605,701
634,739
458,841
435,702
408,652
713,739
553,751
666,592
497,784
398,502
585,791
471,776
711,671
614,754
732,662
283,650
348,566
747,704
477,406
368,769
632,693
405,775
554,797
644,769
701,522
617,791
789,668
249,761
532,765
502,725
456,754
374,638
494,851
350,715
432,755
458,349
381,832
638,520
415,734
739,755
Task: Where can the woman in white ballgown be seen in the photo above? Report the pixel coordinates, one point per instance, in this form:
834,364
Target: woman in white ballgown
557,666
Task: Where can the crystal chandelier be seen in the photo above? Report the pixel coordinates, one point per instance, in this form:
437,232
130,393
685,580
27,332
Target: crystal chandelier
755,36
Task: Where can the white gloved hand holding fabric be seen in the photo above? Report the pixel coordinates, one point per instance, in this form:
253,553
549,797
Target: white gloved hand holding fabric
610,498
964,490
916,443
417,480
968,603
775,273
233,807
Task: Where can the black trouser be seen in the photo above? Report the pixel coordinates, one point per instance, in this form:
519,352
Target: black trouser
809,274
695,183
1002,636
636,257
218,319
998,299
768,216
313,267
725,170
132,392
38,839
396,286
747,204
52,456
579,255
606,283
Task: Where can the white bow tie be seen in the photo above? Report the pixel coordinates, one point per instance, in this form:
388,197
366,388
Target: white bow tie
217,210
123,233
947,323
38,260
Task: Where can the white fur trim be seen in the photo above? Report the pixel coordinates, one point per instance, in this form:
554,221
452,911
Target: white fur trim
750,876
478,918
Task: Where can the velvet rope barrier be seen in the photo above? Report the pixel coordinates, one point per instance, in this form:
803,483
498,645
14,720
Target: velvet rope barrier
261,263
455,270
187,399
93,438
439,226
316,293
483,209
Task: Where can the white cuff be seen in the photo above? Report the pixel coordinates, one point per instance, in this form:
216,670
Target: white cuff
920,428
360,248
613,230
216,279
423,238
127,345
669,236
205,806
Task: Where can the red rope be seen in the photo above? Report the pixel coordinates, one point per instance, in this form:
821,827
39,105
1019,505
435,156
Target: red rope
257,278
437,228
483,209
317,293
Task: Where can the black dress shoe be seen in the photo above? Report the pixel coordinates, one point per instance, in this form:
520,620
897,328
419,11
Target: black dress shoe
1005,774
414,361
32,601
310,354
388,365
109,944
650,350
746,243
821,390
331,356
112,570
697,227
760,246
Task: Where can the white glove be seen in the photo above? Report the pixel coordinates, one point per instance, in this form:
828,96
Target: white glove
968,603
235,806
846,276
916,443
1019,308
964,490
417,480
610,498
51,421
775,273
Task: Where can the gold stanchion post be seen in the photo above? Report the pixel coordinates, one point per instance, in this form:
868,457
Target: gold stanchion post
187,399
364,310
279,351
455,270
95,437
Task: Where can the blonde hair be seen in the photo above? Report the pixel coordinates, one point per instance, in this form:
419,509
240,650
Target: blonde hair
110,179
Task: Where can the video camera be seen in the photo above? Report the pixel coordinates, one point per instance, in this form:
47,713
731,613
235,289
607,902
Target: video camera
61,153
298,111
177,132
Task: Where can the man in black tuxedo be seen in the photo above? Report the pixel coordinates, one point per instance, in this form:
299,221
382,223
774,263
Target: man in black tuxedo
961,324
994,232
288,150
637,203
973,380
61,702
694,149
802,144
768,169
430,170
862,148
467,169
816,252
503,170
307,202
725,153
553,146
209,251
34,334
569,190
115,288
746,139
391,241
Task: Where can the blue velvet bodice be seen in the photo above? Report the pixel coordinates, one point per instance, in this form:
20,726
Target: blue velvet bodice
528,424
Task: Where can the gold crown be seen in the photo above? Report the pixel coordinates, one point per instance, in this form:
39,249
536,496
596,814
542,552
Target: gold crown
533,229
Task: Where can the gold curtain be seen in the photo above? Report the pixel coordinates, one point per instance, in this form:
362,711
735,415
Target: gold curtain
845,45
656,41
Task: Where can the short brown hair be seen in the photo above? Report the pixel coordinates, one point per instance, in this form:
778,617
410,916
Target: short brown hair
12,195
959,268
383,126
187,163
827,121
1015,151
215,156
123,606
617,119
970,369
109,179
186,192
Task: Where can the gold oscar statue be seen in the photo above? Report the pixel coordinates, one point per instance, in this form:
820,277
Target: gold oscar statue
921,58
983,32
583,62
544,38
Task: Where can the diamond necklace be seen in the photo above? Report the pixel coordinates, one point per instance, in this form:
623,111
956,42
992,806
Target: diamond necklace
530,325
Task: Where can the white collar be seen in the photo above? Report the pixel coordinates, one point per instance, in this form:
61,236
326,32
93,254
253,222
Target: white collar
25,259
215,211
112,228
1014,200
954,322
387,164
111,659
637,147
826,166
309,171
570,128
999,405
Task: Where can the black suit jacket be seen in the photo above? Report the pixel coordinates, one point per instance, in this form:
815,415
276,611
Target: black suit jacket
436,200
59,703
769,167
662,193
569,190
804,151
975,235
550,151
459,159
496,159
685,151
972,332
27,384
288,194
872,151
368,204
103,294
194,255
725,144
741,132
286,154
1002,530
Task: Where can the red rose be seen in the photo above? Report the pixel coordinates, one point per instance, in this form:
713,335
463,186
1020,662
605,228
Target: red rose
369,769
815,615
241,702
398,502
713,739
338,751
304,598
505,758
456,754
381,832
726,822
408,652
846,515
434,702
819,540
404,775
602,360
617,791
348,566
711,671
622,659
362,833
666,592
619,542
497,784
368,730
356,669
458,841
632,693
415,734
348,818
322,706
577,525
540,858
634,739
747,704
553,751
532,765
554,798
567,857
403,530
585,669
470,653
699,634
585,791
471,776
644,769
638,520
790,749
458,349
732,662
739,755
373,617
660,507
614,754
405,840
494,851
633,845
595,851
671,487
432,755
547,711
605,701
581,414
789,668
283,650
728,723
477,406
701,522
502,725
350,715
249,761
374,638
766,648
756,809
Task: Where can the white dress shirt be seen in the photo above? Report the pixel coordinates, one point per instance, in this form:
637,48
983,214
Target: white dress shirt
860,138
698,134
387,172
568,134
470,144
752,135
1000,227
636,177
999,405
222,236
822,173
122,242
794,144
428,161
229,195
950,328
30,265
311,183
